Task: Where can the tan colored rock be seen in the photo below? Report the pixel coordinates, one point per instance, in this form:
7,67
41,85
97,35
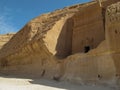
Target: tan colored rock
5,38
55,45
112,34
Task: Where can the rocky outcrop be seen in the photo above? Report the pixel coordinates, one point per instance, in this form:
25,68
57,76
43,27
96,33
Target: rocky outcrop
70,44
112,33
101,63
5,38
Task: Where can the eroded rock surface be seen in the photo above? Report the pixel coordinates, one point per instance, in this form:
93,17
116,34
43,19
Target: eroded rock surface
5,38
72,44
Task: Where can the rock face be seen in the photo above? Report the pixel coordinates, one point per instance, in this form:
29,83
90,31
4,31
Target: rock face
77,43
5,38
112,33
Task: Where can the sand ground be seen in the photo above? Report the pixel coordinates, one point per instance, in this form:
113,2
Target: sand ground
12,83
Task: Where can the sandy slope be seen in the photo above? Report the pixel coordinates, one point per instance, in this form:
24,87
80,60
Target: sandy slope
10,83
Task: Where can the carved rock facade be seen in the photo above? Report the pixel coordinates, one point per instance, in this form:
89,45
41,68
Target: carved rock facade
78,43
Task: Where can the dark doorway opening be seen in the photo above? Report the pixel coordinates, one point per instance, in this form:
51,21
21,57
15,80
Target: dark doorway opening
99,76
86,49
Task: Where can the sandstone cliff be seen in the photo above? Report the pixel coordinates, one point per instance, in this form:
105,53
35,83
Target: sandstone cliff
5,38
70,44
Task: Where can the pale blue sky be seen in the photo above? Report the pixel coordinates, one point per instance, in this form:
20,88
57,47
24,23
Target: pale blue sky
14,14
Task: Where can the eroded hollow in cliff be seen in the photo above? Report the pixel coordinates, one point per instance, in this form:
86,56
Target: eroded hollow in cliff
86,49
64,41
82,32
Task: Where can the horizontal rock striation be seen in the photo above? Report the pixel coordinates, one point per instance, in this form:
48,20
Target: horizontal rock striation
5,38
72,44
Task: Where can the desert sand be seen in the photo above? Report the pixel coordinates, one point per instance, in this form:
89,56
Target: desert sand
12,83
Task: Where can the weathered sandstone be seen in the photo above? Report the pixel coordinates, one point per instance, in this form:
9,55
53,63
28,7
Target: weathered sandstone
5,38
77,43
